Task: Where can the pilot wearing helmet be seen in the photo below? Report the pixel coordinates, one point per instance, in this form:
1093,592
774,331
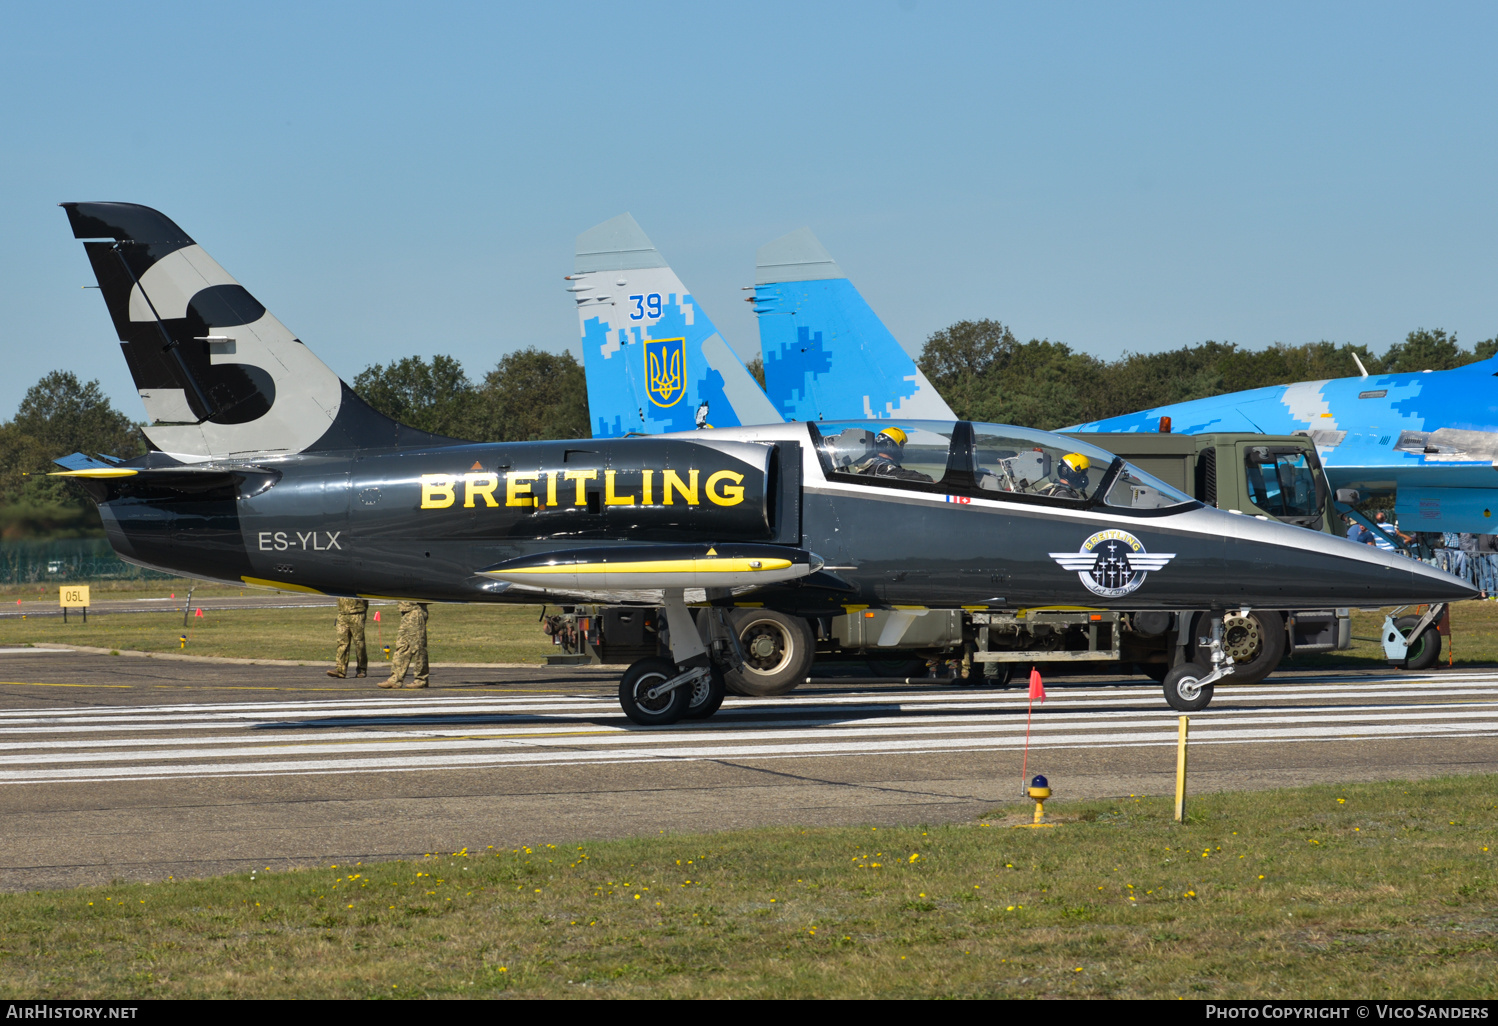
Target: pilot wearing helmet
1071,478
886,456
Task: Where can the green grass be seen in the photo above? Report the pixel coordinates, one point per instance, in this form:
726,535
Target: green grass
497,633
455,633
1361,890
122,589
1473,641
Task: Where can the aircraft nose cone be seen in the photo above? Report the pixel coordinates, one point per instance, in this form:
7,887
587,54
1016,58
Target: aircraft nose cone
1439,585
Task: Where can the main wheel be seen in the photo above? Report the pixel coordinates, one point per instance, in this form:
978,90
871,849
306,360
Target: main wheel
1256,642
1182,692
635,685
1423,651
778,650
707,695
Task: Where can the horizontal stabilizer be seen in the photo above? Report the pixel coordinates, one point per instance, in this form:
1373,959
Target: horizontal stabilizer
246,481
83,461
632,567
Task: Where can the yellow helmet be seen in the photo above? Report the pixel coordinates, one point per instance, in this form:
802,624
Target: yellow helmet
894,434
1076,461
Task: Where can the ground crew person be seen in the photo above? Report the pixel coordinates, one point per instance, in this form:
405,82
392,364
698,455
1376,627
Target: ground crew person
410,648
351,613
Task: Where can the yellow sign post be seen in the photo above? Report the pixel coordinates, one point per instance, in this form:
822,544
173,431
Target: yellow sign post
73,596
1181,769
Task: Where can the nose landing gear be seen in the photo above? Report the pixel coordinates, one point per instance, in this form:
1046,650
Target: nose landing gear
1189,685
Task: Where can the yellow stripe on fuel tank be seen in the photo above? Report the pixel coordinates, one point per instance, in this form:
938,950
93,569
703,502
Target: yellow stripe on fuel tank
95,472
260,582
656,566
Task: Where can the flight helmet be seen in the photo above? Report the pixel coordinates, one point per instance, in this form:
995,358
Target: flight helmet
1072,471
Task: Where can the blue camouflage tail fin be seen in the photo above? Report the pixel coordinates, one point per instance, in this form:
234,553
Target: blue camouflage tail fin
827,355
653,359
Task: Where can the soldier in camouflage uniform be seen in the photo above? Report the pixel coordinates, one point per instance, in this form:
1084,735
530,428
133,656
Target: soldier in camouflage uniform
351,613
410,648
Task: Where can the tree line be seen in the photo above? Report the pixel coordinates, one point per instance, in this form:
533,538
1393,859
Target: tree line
982,370
986,374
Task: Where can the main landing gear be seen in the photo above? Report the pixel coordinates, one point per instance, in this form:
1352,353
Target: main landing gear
1189,685
659,691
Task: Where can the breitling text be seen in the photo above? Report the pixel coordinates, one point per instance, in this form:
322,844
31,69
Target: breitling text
548,488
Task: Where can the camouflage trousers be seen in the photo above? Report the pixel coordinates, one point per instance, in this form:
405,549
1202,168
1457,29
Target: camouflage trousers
351,641
411,649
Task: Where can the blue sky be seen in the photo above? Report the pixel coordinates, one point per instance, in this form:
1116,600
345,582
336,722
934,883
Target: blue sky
397,179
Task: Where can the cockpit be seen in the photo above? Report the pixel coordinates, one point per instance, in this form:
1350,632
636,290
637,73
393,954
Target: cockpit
994,461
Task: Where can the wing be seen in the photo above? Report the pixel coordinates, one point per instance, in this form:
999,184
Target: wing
631,568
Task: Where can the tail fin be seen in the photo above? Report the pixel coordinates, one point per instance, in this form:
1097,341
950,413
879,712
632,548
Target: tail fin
218,374
651,356
812,322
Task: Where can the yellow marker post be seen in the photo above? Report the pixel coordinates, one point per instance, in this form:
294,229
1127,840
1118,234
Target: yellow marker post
1039,790
1181,770
73,596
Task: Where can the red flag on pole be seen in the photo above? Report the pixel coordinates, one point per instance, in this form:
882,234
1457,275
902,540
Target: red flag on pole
1037,689
377,616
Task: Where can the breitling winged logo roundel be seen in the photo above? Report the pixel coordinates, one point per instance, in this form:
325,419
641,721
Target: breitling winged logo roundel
1112,563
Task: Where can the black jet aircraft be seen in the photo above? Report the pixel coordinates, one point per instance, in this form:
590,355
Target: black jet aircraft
266,469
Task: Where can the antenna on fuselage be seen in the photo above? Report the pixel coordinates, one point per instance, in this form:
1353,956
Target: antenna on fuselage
1361,368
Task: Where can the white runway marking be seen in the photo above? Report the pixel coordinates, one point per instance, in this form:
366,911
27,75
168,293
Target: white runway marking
437,732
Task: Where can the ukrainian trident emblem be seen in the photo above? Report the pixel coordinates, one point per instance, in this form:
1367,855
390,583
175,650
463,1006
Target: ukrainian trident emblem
666,370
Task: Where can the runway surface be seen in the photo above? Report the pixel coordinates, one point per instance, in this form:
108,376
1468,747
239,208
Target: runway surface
148,770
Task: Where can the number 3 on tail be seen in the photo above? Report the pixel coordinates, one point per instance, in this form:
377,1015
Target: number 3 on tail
646,306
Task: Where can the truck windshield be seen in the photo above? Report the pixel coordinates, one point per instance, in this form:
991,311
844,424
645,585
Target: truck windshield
1282,484
1135,489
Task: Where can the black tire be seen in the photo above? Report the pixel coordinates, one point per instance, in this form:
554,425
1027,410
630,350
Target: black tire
707,696
640,678
778,650
1181,691
1256,643
1154,671
1424,651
